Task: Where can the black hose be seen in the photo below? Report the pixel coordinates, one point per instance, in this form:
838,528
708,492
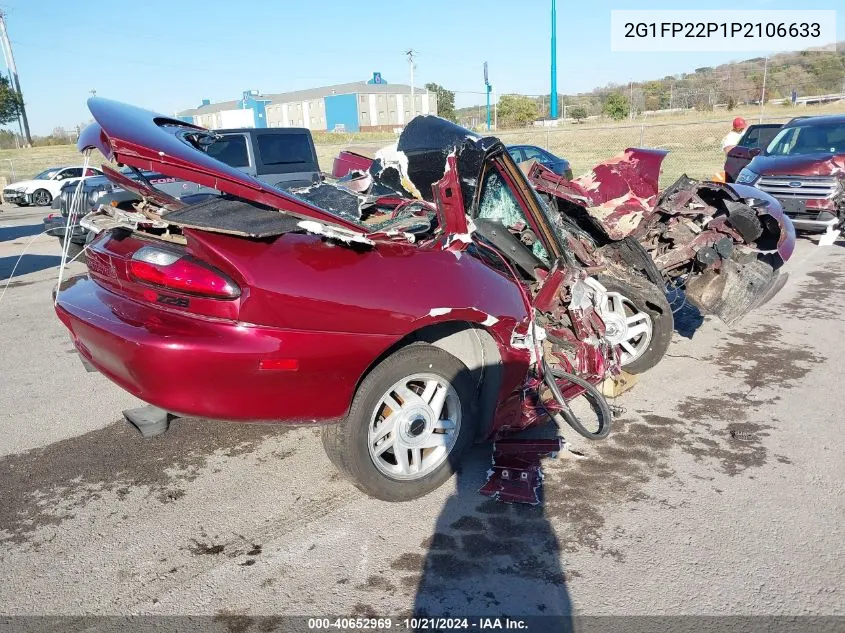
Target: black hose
597,400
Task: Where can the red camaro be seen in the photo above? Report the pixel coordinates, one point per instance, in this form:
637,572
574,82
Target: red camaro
441,306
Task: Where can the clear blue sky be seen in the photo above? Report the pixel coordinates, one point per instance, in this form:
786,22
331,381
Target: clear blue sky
168,55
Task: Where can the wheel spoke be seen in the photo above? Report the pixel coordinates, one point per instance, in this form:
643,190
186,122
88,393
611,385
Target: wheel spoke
626,345
401,454
637,330
391,404
429,391
445,425
438,401
416,459
408,396
387,426
617,306
379,450
435,440
637,318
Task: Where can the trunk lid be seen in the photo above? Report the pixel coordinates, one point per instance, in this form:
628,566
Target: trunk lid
146,140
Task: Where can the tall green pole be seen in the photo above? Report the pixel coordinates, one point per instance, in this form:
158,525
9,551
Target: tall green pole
489,88
553,96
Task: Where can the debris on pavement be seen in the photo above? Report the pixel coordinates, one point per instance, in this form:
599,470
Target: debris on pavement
516,475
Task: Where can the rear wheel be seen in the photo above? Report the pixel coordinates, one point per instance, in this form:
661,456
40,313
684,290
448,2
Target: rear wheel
409,423
639,320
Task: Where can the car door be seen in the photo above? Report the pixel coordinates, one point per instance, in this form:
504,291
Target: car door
752,142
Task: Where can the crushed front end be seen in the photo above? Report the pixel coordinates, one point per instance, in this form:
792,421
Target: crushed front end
722,244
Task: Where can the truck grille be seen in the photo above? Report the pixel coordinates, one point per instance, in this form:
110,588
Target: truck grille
804,187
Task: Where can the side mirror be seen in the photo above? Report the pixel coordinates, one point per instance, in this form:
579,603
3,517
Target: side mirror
755,151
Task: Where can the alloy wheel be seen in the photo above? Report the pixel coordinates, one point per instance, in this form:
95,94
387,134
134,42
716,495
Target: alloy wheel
41,198
414,426
625,326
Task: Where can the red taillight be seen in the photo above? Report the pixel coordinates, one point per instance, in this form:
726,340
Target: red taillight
166,269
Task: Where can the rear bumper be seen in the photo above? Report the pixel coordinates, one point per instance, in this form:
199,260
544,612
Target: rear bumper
203,368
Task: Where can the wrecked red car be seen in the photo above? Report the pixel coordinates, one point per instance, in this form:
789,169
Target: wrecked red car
395,321
723,244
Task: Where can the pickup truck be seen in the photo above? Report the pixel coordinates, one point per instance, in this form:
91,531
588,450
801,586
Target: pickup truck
283,157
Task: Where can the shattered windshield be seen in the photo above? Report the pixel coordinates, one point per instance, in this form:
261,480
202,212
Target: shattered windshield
498,203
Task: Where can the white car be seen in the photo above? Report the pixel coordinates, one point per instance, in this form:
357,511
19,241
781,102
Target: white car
45,186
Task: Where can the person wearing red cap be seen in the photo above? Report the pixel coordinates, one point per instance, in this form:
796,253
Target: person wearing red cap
732,137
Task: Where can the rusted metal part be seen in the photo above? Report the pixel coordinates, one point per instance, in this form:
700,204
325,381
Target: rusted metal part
516,475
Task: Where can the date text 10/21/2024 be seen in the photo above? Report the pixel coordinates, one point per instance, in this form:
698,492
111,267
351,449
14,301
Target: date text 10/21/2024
419,624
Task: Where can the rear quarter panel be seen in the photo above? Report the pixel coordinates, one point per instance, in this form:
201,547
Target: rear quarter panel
301,281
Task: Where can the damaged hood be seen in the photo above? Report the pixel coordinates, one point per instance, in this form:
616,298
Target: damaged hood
146,140
824,164
617,193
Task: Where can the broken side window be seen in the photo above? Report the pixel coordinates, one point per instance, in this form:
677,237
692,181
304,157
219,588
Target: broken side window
498,203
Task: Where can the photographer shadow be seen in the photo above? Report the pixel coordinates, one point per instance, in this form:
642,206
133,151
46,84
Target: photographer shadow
492,559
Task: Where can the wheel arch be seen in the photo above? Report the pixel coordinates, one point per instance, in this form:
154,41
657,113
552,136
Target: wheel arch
472,344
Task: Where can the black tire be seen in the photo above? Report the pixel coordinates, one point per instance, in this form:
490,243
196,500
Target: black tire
44,201
646,297
597,401
346,443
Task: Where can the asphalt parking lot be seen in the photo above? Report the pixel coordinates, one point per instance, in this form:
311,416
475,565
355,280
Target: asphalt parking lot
720,490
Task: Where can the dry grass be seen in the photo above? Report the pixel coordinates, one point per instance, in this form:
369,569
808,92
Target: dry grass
693,139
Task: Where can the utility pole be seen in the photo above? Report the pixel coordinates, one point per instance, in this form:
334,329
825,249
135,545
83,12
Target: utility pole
410,53
553,95
7,51
631,103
